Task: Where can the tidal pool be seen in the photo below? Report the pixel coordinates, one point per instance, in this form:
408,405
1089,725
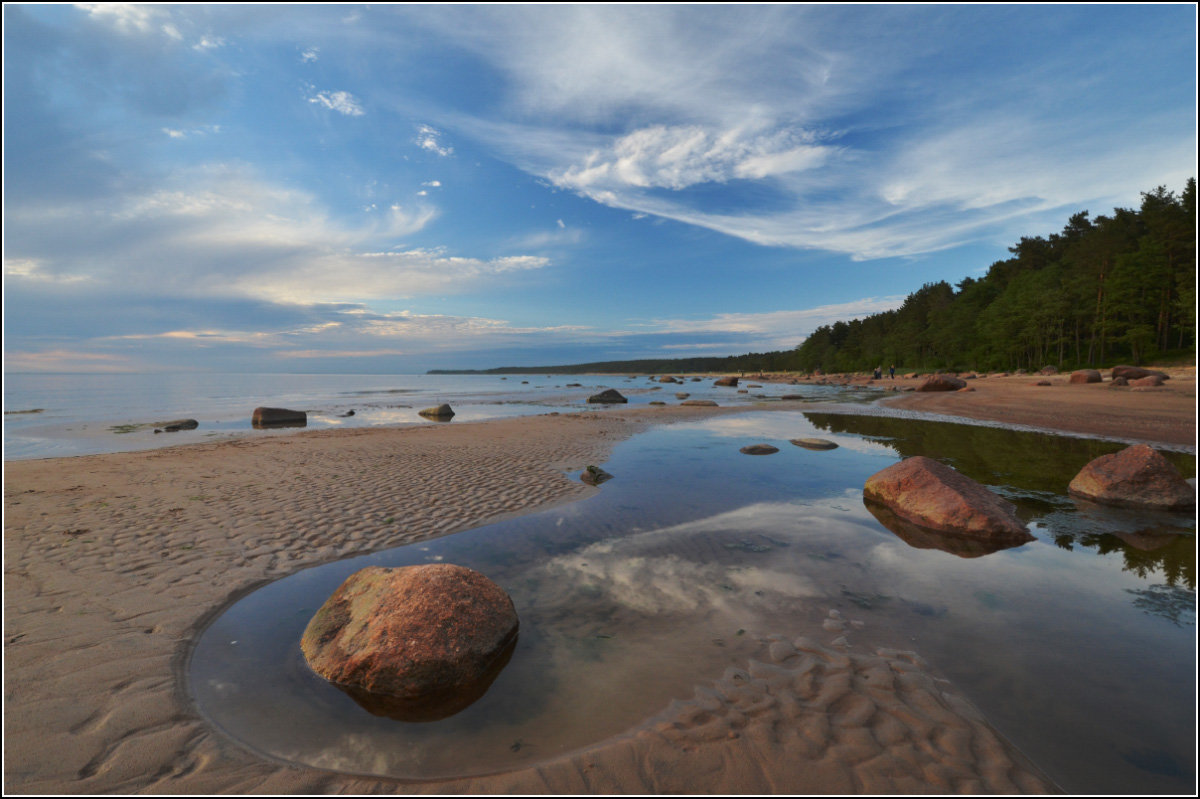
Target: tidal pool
1079,647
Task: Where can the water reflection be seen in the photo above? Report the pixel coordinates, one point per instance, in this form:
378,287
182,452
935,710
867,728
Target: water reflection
924,538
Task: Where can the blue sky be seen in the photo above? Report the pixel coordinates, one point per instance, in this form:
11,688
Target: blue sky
396,188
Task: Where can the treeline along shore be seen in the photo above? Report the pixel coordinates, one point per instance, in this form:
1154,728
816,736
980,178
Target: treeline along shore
1115,289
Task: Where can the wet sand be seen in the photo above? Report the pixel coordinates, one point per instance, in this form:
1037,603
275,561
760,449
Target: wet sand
114,563
1162,415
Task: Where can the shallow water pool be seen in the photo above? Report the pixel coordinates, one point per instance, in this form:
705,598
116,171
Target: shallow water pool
1079,646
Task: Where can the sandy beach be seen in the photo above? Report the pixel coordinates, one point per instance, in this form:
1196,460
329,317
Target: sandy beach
114,563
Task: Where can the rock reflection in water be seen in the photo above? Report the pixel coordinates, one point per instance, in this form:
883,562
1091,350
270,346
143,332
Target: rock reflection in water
924,538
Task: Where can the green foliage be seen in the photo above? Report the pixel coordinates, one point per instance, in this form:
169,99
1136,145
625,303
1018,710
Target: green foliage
1119,288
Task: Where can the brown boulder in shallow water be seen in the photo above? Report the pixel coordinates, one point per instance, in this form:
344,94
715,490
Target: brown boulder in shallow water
422,635
942,383
442,412
725,381
278,417
699,403
930,494
1135,477
759,449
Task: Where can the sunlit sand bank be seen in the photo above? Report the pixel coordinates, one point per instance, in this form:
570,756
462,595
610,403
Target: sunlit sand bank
114,563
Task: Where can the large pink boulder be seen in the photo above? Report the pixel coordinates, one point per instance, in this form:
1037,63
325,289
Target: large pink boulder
1135,477
1086,376
412,632
930,494
942,383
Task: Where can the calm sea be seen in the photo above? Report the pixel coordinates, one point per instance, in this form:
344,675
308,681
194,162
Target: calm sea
54,415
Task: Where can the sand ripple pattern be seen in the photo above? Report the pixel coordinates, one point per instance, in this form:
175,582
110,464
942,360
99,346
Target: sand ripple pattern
114,562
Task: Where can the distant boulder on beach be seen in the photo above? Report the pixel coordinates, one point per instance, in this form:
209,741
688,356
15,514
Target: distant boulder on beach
1086,376
607,397
1136,373
278,417
942,383
176,425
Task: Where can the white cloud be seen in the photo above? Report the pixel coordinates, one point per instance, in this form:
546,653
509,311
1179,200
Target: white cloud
675,157
125,17
209,43
310,55
427,139
342,102
435,184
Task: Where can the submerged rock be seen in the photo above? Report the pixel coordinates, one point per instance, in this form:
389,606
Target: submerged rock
1135,477
416,638
699,403
441,412
608,396
814,443
941,383
278,417
930,494
759,449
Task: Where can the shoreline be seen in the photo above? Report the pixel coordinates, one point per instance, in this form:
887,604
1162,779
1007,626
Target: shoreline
174,535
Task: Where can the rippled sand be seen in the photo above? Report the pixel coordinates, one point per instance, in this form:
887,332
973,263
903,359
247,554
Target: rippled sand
114,562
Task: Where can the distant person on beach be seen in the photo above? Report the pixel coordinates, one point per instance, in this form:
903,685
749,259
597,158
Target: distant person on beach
892,371
878,372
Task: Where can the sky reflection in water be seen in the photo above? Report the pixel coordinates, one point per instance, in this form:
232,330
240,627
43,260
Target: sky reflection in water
1079,646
